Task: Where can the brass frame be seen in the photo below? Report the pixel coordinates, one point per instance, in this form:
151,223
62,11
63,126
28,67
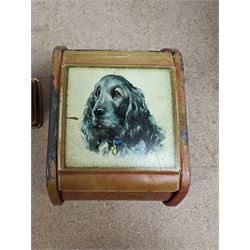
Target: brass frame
83,62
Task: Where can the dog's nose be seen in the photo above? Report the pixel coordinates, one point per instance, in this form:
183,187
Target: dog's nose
98,112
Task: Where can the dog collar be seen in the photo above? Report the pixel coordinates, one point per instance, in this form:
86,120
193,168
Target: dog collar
115,143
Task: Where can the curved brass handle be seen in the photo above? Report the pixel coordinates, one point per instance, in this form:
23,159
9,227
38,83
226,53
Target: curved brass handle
36,103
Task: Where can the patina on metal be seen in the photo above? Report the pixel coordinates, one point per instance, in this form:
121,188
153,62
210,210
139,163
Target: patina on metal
51,166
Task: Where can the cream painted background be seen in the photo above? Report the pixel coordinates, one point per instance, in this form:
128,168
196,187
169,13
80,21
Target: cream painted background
157,88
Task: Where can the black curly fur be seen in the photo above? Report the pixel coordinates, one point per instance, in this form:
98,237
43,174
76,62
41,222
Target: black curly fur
134,121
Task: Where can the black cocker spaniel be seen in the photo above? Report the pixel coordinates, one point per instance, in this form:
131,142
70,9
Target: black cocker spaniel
117,119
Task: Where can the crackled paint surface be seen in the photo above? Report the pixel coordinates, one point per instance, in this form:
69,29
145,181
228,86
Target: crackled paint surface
157,88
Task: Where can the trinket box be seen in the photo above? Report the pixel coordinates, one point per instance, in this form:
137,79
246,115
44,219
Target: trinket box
117,128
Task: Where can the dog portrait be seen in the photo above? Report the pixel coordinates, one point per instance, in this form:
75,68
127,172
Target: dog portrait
117,119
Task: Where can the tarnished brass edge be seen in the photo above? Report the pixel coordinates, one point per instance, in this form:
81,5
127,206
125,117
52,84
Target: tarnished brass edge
119,191
184,148
67,170
51,166
53,191
89,65
122,57
176,119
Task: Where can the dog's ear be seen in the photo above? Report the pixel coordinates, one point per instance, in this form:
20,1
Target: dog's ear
89,106
137,114
137,109
87,128
139,123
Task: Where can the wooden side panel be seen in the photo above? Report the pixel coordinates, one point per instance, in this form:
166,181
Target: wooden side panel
184,148
51,166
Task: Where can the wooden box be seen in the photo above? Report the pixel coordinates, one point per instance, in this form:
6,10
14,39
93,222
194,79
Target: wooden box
117,127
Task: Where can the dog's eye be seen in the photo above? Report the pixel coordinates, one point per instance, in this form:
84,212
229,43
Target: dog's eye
116,94
97,93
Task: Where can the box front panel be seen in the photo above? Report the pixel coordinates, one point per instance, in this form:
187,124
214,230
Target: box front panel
118,119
